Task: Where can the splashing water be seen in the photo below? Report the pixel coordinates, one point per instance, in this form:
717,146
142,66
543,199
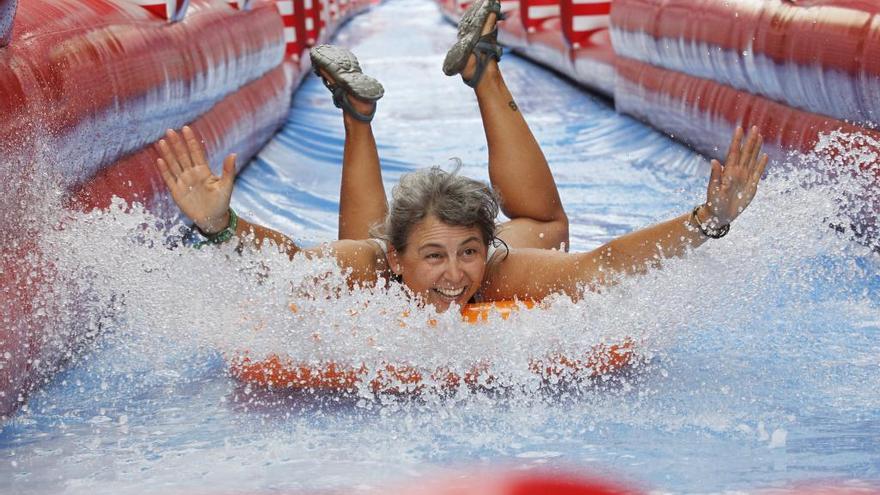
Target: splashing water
760,350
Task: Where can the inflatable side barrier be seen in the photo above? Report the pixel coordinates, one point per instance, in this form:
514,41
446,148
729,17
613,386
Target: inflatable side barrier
88,87
103,79
820,56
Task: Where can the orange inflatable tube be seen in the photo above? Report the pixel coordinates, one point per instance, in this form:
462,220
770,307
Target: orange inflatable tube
283,373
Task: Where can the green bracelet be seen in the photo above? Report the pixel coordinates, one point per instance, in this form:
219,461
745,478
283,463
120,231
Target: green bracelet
222,236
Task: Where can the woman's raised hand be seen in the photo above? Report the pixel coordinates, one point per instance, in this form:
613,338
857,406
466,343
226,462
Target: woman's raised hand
733,185
200,195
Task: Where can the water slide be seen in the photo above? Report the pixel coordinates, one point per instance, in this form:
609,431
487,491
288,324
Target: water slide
109,385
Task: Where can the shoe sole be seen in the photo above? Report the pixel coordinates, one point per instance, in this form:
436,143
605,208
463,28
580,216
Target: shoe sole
345,70
470,28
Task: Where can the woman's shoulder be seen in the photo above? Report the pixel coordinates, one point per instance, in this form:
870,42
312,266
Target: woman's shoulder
530,273
366,258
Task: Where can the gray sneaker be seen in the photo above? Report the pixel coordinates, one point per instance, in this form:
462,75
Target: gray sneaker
347,78
471,41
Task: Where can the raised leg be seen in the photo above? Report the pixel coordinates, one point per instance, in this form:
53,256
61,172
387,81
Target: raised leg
362,201
518,169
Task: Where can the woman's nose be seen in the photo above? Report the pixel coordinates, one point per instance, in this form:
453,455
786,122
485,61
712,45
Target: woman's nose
453,270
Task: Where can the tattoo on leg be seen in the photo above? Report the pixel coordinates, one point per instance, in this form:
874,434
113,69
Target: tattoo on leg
512,105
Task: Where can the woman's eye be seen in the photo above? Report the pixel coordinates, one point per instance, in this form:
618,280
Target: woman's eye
433,256
470,252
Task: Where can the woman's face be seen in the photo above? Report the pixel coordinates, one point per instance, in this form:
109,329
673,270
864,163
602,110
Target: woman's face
442,264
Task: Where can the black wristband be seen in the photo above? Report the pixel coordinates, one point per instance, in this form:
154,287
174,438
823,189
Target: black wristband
710,232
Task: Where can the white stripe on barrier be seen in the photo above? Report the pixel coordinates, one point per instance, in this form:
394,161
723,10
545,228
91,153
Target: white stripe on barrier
589,22
543,11
289,35
285,7
310,24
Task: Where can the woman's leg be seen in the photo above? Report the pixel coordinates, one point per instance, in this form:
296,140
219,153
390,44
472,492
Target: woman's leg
517,167
362,201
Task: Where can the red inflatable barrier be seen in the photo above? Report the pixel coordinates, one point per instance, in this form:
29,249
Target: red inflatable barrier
169,10
314,22
539,16
816,55
585,26
828,33
704,113
239,124
294,27
94,71
582,21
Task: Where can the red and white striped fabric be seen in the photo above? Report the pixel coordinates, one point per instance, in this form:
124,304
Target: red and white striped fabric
170,10
314,21
240,4
534,12
293,47
509,6
581,19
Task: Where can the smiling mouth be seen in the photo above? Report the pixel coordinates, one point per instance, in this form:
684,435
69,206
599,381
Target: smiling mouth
450,293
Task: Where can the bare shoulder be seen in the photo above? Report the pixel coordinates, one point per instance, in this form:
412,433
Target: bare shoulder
364,257
530,273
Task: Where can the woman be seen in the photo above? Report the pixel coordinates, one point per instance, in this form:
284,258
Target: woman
439,236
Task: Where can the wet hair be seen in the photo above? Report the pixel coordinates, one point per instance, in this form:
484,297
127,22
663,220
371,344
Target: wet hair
454,199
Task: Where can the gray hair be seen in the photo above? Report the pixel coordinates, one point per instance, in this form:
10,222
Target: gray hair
454,199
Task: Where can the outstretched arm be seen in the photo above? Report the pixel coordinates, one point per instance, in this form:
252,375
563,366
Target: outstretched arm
731,189
204,198
201,195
